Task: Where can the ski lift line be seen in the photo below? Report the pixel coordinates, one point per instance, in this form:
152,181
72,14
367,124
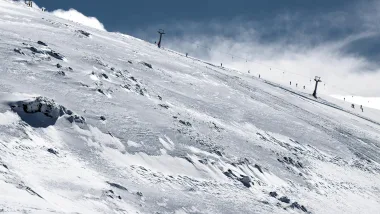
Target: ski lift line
270,67
253,61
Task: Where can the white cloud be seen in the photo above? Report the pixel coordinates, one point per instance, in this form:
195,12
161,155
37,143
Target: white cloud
301,50
76,16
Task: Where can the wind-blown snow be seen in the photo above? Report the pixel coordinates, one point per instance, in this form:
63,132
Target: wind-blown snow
99,122
76,16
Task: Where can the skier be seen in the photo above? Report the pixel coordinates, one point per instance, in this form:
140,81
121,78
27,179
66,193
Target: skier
221,64
303,87
296,84
290,82
361,107
352,106
259,76
187,54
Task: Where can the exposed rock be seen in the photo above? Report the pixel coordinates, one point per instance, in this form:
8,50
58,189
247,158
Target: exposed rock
59,65
42,43
284,199
296,205
62,73
132,78
273,194
246,180
5,166
76,119
44,105
185,123
203,161
56,55
54,152
139,194
259,168
146,64
103,118
35,50
164,106
84,33
229,174
130,62
159,97
116,186
18,50
105,75
100,91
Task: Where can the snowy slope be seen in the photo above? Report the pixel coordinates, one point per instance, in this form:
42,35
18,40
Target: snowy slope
120,126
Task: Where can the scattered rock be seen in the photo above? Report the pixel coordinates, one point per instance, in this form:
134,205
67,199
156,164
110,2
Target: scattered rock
284,199
42,43
185,123
175,117
54,152
59,65
103,118
164,106
139,194
159,97
70,68
130,62
132,78
147,65
112,69
18,50
296,205
5,166
119,197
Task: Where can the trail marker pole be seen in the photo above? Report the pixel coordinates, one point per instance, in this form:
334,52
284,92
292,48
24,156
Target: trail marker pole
161,32
317,80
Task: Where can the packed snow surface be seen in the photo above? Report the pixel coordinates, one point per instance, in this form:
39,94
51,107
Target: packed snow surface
99,122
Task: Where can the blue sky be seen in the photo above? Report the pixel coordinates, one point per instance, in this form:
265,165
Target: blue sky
301,35
130,16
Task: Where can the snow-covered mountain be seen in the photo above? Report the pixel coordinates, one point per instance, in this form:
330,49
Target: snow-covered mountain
99,122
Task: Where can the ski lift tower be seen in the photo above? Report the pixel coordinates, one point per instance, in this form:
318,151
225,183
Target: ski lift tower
161,32
317,80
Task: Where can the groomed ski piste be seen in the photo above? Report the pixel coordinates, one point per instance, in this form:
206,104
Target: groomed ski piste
100,122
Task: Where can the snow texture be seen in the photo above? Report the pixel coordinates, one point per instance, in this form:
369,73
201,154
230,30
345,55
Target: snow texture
100,122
